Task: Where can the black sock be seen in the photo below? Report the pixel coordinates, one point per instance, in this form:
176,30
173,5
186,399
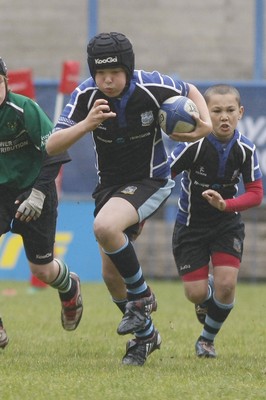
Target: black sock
71,293
125,260
216,315
121,304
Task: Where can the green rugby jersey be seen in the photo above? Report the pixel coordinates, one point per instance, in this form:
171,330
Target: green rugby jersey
24,129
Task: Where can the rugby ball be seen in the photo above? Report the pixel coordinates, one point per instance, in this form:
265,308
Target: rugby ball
175,115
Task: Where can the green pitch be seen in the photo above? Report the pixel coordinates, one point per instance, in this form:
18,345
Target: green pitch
42,361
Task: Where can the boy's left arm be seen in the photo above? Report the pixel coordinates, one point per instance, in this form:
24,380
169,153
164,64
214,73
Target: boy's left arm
251,198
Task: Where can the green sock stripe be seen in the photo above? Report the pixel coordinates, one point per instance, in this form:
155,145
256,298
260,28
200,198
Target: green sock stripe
63,280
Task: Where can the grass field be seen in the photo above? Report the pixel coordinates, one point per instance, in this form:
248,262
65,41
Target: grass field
42,361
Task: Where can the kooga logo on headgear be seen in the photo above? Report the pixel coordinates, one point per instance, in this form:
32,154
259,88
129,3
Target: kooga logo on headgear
107,60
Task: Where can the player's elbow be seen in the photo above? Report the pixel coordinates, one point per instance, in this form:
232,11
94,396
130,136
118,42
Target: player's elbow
51,147
50,151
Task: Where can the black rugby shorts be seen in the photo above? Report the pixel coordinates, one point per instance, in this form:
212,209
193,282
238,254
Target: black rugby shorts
193,246
146,196
39,236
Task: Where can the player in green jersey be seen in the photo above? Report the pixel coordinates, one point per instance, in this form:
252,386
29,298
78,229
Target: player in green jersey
28,197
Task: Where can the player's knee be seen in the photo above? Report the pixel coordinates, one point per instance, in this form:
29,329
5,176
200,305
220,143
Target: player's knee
224,289
45,273
104,229
197,294
42,274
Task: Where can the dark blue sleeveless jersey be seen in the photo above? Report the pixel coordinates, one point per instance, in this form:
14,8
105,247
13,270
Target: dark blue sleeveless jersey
130,146
210,164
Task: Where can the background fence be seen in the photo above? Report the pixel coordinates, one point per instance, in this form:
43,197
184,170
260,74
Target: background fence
75,241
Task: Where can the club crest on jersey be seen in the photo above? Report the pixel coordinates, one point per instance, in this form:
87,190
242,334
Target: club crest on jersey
129,190
12,126
147,118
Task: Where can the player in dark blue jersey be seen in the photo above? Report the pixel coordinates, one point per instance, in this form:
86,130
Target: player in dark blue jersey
120,106
208,223
28,197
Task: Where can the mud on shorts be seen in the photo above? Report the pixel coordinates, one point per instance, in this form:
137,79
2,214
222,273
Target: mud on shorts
146,196
193,246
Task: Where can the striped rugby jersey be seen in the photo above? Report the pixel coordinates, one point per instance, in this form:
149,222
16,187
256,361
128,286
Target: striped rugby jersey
128,147
211,164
